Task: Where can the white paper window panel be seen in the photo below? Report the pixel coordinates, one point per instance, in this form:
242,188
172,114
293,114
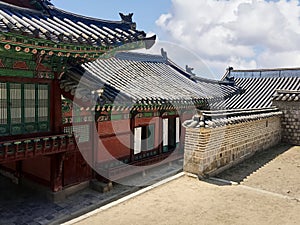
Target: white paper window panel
137,140
43,91
16,103
165,132
3,103
177,130
29,103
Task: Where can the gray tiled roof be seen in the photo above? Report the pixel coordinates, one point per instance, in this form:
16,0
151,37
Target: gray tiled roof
60,26
142,78
259,87
212,119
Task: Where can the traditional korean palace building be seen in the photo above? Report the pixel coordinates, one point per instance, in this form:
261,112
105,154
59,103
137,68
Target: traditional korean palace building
60,93
143,100
76,105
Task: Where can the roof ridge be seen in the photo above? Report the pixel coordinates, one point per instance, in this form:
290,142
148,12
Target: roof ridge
263,70
265,73
196,77
140,53
285,91
86,17
19,7
139,56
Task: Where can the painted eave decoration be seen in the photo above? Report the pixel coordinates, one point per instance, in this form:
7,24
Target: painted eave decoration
39,27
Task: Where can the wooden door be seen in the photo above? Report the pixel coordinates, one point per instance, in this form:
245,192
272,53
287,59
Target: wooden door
76,170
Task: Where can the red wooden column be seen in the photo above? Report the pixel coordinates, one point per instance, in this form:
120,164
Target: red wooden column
182,131
95,140
132,126
19,165
160,146
56,172
56,111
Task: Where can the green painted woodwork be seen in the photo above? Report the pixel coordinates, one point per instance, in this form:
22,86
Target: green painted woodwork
9,58
3,130
116,117
22,110
42,44
172,113
16,129
16,73
30,127
141,108
62,49
15,54
165,149
148,114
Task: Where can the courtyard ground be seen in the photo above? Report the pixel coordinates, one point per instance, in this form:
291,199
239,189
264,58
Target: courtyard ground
265,190
20,205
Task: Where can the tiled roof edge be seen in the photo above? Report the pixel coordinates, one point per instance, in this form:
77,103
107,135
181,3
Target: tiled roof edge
213,119
287,95
263,70
263,73
54,10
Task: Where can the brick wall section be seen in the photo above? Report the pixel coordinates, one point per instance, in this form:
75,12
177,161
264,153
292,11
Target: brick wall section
290,121
210,149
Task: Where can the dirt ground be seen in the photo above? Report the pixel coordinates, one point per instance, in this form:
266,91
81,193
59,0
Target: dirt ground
268,193
276,170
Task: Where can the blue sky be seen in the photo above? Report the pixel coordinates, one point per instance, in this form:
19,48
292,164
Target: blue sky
245,34
145,12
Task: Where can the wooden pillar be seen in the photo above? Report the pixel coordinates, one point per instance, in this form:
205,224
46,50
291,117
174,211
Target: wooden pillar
95,142
56,172
132,126
19,165
160,147
56,105
182,133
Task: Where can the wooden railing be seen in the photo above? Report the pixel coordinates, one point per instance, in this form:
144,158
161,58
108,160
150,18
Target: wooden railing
22,149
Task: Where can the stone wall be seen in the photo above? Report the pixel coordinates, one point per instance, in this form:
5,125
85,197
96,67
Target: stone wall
208,150
290,121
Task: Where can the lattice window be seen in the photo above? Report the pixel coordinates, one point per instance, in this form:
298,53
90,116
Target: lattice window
144,138
83,131
16,103
43,102
3,103
24,108
29,103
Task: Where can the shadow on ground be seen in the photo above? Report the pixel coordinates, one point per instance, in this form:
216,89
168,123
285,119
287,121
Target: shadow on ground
19,205
239,172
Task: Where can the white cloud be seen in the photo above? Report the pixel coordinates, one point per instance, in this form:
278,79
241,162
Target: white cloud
239,33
